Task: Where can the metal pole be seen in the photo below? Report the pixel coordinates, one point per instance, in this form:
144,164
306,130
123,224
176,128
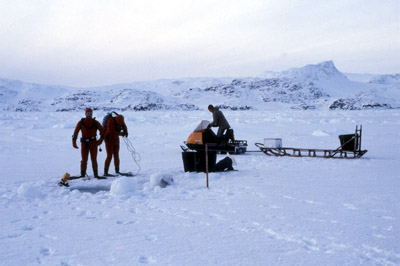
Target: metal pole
360,137
207,164
355,140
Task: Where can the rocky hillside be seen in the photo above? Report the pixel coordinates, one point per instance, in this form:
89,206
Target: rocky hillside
319,86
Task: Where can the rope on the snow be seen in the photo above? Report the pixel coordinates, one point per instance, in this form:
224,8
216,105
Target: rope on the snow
135,155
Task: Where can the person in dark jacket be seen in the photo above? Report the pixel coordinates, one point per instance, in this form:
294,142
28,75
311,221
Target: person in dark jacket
89,127
219,121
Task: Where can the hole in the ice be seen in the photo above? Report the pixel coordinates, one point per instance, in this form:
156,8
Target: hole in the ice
92,190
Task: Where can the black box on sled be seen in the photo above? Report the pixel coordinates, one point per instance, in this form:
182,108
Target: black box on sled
350,145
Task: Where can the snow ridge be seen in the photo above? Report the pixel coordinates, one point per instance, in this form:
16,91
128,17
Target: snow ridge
318,86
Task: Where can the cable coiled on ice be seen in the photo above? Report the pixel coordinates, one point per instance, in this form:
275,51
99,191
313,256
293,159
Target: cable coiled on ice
135,155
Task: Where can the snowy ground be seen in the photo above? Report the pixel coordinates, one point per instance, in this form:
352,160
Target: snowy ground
273,211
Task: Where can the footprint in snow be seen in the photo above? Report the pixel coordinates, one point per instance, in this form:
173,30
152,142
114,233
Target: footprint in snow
388,218
45,251
13,235
288,197
350,206
310,244
379,236
125,222
27,228
144,259
82,213
312,202
151,238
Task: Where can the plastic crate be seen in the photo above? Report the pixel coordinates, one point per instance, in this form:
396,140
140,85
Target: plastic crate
272,143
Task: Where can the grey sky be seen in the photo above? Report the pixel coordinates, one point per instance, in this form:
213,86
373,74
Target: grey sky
99,42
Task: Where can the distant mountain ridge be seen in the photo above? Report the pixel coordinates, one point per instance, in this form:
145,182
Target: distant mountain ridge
316,86
322,71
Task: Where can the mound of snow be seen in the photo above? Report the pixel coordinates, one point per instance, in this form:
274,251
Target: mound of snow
161,179
28,190
124,186
320,133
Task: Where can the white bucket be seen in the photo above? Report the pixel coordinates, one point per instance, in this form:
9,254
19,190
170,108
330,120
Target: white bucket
272,143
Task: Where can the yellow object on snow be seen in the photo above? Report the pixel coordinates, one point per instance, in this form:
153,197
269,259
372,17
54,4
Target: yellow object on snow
65,177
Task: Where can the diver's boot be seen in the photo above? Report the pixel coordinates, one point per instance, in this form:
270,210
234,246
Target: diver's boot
96,175
83,173
106,172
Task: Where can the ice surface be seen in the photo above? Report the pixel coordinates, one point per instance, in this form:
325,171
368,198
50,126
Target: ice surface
272,211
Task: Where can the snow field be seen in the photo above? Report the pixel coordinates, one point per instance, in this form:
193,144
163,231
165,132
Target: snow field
273,211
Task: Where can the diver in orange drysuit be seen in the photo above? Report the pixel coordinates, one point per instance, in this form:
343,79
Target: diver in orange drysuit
89,143
115,127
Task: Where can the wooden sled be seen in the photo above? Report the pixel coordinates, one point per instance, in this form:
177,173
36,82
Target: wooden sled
350,148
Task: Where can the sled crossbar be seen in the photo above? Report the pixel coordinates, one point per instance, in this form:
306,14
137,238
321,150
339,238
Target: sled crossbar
350,148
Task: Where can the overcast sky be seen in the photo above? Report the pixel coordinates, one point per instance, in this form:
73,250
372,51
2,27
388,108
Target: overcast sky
99,42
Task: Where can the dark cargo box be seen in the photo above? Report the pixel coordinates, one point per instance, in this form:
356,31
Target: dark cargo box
350,145
189,161
196,161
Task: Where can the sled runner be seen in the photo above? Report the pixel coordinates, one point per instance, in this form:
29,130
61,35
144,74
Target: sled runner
201,136
350,148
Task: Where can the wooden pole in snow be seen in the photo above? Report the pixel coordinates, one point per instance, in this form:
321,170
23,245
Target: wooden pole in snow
207,164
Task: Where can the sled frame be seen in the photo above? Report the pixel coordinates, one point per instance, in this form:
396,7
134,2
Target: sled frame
339,153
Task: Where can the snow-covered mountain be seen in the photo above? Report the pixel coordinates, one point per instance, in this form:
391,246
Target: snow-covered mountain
319,86
19,96
386,79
